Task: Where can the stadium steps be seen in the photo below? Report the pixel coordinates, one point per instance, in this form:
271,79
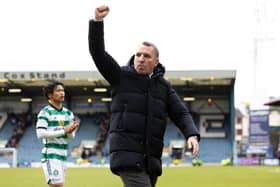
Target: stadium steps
213,150
172,133
87,131
29,147
7,130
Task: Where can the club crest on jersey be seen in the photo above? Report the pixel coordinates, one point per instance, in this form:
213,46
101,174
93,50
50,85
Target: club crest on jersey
61,123
55,172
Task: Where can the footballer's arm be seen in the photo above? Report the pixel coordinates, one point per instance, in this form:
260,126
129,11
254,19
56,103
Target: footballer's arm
42,132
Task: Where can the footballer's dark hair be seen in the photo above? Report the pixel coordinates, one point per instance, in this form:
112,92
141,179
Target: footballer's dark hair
49,89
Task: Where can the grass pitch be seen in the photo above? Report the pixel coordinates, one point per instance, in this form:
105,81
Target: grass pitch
205,176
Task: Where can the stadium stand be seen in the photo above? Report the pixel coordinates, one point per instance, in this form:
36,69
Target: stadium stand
31,144
3,118
6,130
29,147
194,87
90,128
212,150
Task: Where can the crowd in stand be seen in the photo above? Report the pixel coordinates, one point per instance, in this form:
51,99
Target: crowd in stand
20,123
102,119
103,122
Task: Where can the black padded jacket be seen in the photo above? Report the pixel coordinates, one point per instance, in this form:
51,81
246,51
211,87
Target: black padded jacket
140,107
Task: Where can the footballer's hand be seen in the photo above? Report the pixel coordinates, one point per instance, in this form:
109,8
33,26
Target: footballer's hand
70,128
192,144
101,12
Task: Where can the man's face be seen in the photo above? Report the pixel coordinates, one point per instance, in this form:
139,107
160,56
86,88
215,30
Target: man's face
58,94
145,59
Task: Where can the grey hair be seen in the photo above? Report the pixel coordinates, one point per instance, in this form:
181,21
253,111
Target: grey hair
149,44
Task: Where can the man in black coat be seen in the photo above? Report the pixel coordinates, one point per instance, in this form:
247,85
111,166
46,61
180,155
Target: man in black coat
142,102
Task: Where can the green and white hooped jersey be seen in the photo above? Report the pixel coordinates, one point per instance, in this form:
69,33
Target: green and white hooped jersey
51,122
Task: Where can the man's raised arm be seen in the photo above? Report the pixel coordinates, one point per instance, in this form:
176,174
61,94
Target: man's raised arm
106,65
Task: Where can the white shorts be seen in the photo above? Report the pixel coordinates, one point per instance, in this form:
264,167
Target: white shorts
54,171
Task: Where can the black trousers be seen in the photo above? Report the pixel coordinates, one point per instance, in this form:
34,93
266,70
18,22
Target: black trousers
133,178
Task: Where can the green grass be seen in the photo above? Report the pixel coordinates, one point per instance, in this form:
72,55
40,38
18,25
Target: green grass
205,176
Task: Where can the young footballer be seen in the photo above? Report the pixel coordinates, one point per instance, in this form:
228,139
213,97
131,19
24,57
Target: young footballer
55,126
